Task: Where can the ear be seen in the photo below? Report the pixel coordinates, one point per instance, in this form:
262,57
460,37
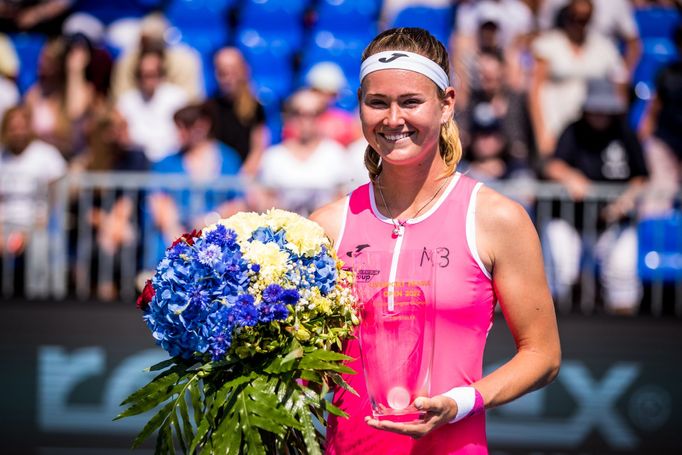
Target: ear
448,104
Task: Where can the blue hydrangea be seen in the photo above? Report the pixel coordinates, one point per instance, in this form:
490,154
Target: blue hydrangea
201,291
265,234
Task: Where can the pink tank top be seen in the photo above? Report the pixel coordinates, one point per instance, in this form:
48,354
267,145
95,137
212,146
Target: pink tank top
464,314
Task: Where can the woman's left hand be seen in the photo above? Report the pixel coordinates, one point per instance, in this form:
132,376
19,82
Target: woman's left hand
439,410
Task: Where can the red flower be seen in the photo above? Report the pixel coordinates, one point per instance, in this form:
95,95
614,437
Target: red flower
146,296
188,238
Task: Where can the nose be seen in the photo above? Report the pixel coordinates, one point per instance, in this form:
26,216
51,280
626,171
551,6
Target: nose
394,116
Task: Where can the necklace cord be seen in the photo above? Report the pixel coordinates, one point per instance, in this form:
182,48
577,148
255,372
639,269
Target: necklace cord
397,223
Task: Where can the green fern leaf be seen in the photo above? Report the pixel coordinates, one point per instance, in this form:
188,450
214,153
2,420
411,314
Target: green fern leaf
158,421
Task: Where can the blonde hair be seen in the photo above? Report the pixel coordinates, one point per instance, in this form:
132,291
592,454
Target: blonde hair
419,41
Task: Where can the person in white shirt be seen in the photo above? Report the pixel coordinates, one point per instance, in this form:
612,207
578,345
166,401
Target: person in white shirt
306,170
614,19
27,166
149,107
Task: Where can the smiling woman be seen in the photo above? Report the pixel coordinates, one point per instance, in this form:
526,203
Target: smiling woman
485,251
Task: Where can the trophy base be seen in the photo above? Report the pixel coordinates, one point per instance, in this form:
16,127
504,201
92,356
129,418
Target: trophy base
406,416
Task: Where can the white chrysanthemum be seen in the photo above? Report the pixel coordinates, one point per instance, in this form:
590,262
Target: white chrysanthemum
305,237
272,260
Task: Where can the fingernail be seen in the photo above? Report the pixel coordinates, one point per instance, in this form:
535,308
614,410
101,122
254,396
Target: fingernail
418,403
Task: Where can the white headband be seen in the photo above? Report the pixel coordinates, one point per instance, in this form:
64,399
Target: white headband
403,60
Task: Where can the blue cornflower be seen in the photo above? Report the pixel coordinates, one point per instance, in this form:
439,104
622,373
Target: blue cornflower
209,254
272,293
289,296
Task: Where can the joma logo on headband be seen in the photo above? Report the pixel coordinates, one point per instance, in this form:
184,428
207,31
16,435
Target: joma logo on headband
394,56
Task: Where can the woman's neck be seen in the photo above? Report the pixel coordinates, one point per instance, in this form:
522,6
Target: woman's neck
410,189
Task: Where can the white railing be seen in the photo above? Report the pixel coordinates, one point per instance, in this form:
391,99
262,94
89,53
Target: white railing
64,255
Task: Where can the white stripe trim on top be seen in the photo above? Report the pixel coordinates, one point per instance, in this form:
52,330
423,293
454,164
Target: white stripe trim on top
471,230
344,217
439,201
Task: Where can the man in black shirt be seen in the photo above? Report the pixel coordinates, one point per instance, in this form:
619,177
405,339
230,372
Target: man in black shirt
599,148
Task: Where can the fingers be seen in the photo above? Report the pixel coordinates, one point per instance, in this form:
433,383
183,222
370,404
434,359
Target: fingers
435,409
415,429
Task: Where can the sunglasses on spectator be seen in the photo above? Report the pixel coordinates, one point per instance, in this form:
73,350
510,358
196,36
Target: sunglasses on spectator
305,114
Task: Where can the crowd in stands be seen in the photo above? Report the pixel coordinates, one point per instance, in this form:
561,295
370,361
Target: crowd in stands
571,91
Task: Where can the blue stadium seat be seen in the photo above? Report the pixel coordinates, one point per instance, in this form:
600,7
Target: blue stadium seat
438,21
657,22
347,15
28,47
197,13
256,40
660,248
343,48
255,11
656,52
108,12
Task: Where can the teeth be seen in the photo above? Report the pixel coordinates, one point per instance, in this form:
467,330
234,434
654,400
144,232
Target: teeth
396,137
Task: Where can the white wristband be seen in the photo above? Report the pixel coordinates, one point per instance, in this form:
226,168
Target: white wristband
465,397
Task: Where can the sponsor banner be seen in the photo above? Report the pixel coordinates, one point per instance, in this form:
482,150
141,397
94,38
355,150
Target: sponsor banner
67,366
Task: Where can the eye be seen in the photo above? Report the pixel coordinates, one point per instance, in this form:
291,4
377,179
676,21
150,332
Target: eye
376,103
412,102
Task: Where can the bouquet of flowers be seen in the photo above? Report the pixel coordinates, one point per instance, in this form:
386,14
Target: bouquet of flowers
253,311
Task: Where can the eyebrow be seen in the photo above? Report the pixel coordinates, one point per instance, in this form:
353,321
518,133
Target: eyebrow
403,95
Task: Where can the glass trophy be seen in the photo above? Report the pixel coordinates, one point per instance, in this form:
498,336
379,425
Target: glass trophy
396,335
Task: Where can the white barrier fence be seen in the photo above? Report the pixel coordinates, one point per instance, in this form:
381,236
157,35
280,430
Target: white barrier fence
62,241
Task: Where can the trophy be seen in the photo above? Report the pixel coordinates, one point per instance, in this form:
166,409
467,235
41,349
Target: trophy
396,294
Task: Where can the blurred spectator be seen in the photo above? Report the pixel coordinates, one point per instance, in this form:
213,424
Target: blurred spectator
614,19
238,117
9,61
203,159
306,170
109,146
599,147
62,94
183,64
111,216
87,29
9,68
491,25
356,172
495,100
27,166
327,78
488,156
656,3
565,58
661,129
149,107
39,16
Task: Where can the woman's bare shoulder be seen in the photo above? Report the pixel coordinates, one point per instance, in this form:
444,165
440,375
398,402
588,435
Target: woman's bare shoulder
500,222
331,216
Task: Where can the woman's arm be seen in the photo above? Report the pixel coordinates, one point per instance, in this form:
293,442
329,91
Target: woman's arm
260,138
509,244
543,138
329,217
510,248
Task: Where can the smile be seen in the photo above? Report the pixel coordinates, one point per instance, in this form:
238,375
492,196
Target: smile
394,137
